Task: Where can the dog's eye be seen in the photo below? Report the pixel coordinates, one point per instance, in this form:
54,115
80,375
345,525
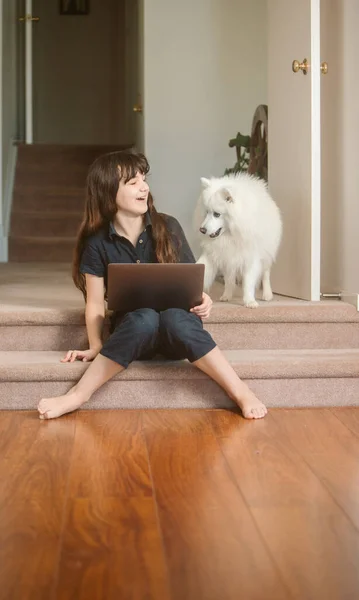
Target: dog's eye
216,215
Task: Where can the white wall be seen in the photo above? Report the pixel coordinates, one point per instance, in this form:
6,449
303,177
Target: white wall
204,75
340,133
79,74
8,108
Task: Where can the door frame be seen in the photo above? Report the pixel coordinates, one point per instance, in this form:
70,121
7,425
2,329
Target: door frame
316,150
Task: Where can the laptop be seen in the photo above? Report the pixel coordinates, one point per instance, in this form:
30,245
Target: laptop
154,285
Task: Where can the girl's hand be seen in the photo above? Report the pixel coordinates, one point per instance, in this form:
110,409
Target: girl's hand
203,310
84,355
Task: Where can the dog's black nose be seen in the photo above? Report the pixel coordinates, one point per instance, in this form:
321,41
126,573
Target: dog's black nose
203,230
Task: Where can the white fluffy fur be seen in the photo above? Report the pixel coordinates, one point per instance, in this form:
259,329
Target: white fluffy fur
250,233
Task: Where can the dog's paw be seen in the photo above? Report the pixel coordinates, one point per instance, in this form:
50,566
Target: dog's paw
267,296
225,298
250,303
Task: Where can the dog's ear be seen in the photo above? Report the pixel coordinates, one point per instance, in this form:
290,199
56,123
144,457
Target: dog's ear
205,182
227,195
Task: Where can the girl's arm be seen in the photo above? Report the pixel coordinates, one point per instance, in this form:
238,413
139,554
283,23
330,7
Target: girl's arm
95,311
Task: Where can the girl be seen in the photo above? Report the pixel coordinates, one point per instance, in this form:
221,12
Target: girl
122,225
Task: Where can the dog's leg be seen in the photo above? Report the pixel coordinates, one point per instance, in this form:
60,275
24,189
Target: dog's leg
210,272
267,289
251,275
229,284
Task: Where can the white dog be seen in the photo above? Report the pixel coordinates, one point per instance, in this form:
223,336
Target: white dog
241,231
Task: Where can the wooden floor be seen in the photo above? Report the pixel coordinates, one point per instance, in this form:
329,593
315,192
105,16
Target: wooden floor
183,505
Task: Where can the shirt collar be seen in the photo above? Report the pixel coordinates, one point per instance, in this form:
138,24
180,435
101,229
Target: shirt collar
112,231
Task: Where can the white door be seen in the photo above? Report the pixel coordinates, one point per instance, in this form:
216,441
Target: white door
294,143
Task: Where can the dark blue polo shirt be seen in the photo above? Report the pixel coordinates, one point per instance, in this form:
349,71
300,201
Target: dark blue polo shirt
107,246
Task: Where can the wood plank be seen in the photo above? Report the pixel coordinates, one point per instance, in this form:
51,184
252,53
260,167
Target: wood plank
331,451
7,430
112,549
213,548
110,455
32,506
17,432
311,539
112,546
349,416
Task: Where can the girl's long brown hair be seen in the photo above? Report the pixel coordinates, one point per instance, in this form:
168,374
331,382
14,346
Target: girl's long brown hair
103,180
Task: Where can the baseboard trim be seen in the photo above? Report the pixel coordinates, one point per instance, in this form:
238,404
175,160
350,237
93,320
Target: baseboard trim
8,195
350,298
9,184
4,252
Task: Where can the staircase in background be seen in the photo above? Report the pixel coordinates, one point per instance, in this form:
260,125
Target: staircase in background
48,200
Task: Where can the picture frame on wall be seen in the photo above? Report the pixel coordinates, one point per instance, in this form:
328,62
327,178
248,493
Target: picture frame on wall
74,7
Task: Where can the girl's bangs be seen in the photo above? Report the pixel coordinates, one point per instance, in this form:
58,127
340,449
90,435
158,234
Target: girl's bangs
134,163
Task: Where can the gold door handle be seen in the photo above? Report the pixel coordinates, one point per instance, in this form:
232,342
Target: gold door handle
324,68
29,18
303,66
138,108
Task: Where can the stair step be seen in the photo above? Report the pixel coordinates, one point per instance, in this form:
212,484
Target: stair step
252,364
49,199
58,302
228,336
48,325
47,175
281,378
45,249
44,224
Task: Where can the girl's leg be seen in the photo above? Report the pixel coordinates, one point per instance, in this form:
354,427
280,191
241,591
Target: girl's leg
215,364
98,372
182,336
136,334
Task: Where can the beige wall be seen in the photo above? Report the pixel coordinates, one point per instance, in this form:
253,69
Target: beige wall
340,134
349,144
204,75
79,74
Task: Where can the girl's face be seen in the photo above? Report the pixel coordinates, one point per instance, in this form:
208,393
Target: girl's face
131,198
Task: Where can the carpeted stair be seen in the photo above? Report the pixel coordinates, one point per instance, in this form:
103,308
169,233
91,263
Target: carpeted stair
291,353
48,200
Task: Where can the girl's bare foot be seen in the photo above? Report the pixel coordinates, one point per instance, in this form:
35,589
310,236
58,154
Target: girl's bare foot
51,408
251,407
218,368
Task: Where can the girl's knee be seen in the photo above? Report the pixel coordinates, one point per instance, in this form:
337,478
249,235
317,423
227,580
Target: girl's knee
144,320
177,320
